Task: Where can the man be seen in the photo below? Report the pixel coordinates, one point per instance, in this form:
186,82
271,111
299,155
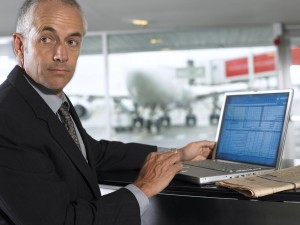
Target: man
48,174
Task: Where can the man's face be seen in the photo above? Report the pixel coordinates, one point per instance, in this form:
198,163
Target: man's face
52,46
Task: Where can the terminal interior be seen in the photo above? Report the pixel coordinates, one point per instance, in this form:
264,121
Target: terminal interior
163,83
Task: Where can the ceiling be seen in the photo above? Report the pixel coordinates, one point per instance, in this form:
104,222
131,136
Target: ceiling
115,15
179,24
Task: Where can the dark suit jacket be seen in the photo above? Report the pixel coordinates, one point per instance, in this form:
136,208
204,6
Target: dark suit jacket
44,178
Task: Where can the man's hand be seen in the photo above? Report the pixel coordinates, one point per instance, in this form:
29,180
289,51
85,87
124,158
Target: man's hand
161,167
157,172
199,150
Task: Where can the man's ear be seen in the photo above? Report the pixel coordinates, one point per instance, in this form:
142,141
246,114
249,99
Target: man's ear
18,46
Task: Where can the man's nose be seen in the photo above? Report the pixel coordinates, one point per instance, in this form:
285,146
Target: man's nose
61,53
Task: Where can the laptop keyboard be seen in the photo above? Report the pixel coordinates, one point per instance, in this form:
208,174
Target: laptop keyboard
223,166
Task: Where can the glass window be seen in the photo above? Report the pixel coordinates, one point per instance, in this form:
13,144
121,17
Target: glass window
7,57
167,87
295,77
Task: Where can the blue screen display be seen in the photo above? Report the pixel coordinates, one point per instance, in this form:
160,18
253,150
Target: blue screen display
252,127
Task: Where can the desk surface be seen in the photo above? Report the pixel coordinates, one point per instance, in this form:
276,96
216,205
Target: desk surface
176,187
183,203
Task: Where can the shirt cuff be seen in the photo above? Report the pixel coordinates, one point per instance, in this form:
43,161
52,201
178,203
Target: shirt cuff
140,197
162,149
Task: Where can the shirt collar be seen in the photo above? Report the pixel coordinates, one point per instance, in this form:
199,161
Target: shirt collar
52,100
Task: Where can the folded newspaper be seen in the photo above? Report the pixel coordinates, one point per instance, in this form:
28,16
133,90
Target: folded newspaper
266,183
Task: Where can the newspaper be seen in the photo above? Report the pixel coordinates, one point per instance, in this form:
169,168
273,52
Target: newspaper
266,183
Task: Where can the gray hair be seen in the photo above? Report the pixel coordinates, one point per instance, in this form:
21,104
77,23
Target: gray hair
25,19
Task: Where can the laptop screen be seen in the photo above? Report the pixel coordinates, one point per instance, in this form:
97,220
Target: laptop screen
251,128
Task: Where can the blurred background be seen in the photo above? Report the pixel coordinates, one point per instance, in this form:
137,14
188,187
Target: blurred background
155,72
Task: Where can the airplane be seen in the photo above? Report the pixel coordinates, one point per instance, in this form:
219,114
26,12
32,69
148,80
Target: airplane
153,93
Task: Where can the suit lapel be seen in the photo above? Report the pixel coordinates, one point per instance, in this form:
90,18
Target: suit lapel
89,153
57,130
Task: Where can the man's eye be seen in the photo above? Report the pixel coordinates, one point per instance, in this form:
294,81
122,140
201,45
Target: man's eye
73,42
45,40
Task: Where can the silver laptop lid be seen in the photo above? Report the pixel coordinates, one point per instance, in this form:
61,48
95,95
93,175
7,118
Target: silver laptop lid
252,127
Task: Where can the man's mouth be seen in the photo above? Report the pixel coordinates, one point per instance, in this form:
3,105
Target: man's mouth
59,70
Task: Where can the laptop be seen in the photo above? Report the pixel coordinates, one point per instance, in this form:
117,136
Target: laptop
250,137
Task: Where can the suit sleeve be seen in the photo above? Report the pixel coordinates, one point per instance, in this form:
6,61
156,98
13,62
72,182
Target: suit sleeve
42,205
39,187
114,155
107,211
